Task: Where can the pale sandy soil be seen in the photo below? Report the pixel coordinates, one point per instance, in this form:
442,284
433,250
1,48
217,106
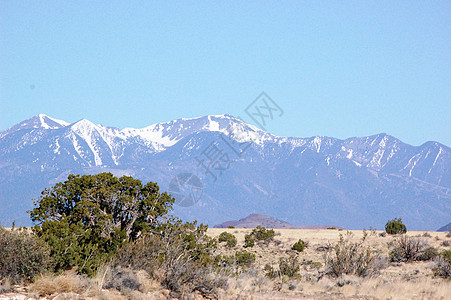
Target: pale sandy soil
396,281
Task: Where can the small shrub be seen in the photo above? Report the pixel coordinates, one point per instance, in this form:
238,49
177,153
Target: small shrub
228,238
395,226
323,248
373,231
224,261
287,267
244,258
299,246
122,280
448,234
407,248
383,234
351,258
249,241
263,234
229,263
260,234
427,235
428,254
230,226
445,243
68,282
22,256
179,255
442,264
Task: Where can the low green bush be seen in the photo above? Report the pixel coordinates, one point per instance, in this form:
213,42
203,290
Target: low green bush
249,241
260,234
22,256
395,226
263,234
244,258
228,238
299,246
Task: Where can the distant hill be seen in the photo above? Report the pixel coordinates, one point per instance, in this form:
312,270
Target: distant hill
445,228
254,220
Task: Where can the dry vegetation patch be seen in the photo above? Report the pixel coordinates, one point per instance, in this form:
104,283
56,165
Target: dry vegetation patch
413,279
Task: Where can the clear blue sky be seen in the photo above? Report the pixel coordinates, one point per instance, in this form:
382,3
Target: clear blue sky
336,69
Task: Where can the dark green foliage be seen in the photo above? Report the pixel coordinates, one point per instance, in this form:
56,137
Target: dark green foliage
244,258
299,246
249,241
446,254
229,238
263,234
395,226
86,218
180,255
22,256
260,234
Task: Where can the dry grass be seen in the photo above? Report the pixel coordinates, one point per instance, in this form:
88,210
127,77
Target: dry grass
399,280
413,280
66,283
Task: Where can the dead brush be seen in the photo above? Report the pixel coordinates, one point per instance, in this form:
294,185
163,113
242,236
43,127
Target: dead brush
405,248
352,258
69,282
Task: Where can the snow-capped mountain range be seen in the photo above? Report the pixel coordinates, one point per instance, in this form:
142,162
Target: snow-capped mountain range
354,183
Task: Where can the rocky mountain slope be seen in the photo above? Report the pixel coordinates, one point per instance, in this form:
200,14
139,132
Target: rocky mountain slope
221,168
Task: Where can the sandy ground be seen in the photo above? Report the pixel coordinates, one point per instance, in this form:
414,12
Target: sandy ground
413,280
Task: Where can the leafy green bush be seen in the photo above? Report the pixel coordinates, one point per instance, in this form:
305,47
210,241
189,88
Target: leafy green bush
22,256
86,218
263,234
260,234
244,258
395,226
249,241
299,246
229,238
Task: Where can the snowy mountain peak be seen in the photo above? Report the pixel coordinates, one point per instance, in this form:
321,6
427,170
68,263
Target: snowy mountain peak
46,122
40,121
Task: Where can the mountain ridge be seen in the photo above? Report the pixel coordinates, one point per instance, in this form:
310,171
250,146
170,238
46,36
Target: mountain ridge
369,173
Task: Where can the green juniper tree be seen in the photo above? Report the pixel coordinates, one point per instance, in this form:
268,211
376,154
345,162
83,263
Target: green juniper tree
86,218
